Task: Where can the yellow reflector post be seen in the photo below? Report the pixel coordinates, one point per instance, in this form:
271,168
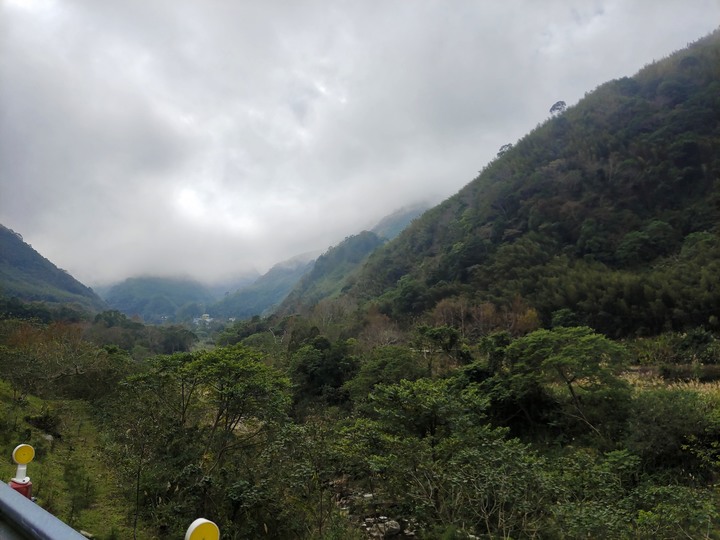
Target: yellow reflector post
23,454
202,529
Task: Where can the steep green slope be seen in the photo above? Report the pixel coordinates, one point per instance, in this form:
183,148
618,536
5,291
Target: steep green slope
27,275
327,277
266,292
332,272
158,299
393,224
601,211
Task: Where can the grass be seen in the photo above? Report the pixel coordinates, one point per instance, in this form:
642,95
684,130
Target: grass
69,475
647,381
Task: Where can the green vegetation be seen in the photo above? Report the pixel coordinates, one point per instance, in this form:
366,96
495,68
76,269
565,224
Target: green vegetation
609,209
70,473
393,224
331,273
266,293
537,357
558,433
159,300
27,275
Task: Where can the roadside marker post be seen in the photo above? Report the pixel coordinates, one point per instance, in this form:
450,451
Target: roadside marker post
202,529
22,455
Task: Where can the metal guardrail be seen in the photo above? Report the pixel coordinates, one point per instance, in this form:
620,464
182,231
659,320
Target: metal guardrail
22,519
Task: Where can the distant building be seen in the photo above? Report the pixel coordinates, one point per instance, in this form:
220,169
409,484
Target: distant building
204,319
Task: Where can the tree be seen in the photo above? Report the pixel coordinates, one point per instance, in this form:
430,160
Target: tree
189,430
320,368
443,339
504,149
428,450
425,408
55,361
586,364
384,365
558,108
244,397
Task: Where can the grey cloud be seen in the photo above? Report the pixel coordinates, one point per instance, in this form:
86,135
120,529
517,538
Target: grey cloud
208,137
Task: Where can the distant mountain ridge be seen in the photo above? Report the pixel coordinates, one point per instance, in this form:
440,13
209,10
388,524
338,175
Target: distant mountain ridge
28,276
267,292
160,299
305,279
331,272
609,210
393,224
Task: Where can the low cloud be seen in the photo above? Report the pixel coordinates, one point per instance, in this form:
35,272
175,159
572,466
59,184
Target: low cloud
207,138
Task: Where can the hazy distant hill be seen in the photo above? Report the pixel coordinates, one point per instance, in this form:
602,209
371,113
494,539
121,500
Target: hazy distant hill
159,299
222,288
331,272
27,275
270,290
266,292
334,269
392,225
607,213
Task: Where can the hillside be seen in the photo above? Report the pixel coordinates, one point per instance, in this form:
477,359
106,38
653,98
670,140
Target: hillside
332,272
29,276
287,285
393,224
266,292
608,211
158,299
536,357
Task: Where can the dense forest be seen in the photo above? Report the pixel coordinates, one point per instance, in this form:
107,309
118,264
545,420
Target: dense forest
609,210
536,357
26,274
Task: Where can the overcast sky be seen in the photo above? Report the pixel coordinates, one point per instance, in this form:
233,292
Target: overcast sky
208,137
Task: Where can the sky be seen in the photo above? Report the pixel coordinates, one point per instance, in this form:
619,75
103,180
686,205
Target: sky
209,138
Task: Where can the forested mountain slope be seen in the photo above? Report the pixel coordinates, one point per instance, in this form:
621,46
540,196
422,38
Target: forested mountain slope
607,213
332,272
27,275
266,292
287,285
159,299
393,224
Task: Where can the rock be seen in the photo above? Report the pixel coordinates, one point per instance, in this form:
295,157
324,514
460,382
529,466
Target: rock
385,530
392,528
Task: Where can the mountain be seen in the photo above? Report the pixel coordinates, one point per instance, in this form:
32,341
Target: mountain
392,225
267,291
27,275
160,299
221,288
607,214
331,272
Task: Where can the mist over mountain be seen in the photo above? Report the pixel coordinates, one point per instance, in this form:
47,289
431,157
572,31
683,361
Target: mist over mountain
27,275
538,356
160,299
267,292
331,272
595,211
393,224
300,277
221,288
609,210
